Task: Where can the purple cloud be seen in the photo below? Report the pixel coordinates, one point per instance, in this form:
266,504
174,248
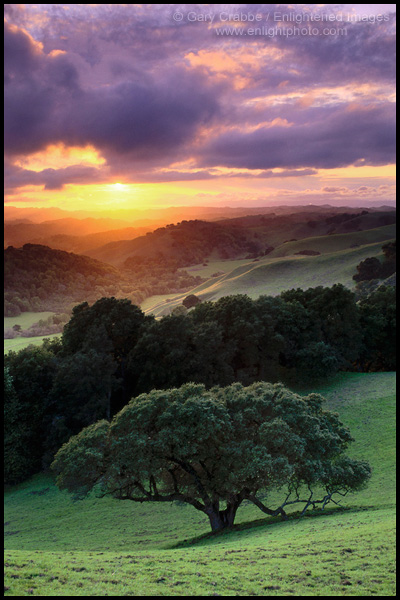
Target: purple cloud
341,138
143,117
149,92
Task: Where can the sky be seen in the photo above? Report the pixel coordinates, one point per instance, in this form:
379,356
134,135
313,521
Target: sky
135,106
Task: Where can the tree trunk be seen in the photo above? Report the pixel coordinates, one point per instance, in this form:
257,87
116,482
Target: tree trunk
221,519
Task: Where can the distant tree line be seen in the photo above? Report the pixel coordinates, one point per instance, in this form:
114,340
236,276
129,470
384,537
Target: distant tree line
110,352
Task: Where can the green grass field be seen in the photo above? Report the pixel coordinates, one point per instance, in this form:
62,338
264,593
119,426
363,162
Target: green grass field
56,547
26,319
19,343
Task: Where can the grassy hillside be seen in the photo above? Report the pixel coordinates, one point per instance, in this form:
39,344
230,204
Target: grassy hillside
190,242
333,243
25,320
271,276
55,547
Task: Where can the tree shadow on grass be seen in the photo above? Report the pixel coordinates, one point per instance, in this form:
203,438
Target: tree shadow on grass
266,522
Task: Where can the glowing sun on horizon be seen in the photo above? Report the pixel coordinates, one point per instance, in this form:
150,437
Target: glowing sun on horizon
118,186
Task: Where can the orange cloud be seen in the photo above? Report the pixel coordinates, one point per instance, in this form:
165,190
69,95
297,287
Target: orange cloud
59,156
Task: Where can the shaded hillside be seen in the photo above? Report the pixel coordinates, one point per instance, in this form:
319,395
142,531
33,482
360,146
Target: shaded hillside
192,242
82,244
186,243
279,229
40,278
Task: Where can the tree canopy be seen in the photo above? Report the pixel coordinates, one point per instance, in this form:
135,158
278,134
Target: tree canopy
213,449
27,385
111,352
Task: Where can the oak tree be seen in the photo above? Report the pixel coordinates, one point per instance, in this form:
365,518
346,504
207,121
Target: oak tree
214,449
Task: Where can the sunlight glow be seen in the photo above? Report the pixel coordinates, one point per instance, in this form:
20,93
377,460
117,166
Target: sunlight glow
60,156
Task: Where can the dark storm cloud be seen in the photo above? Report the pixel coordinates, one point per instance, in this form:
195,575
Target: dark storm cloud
145,118
20,53
37,88
357,53
364,136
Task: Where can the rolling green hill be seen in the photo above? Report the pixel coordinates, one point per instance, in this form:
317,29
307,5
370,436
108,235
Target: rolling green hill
26,319
271,276
56,547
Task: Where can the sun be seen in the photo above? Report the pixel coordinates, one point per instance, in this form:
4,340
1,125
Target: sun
118,186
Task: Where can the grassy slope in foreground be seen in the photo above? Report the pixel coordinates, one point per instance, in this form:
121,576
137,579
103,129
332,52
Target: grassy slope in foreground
108,547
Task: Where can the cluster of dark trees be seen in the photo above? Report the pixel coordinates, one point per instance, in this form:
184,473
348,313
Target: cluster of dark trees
110,352
151,276
372,268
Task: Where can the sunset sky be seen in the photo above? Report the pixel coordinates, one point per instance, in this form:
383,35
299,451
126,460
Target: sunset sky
135,106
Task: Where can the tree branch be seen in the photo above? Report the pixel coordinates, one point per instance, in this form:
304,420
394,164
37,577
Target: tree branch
191,471
265,509
156,496
203,465
174,480
307,501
